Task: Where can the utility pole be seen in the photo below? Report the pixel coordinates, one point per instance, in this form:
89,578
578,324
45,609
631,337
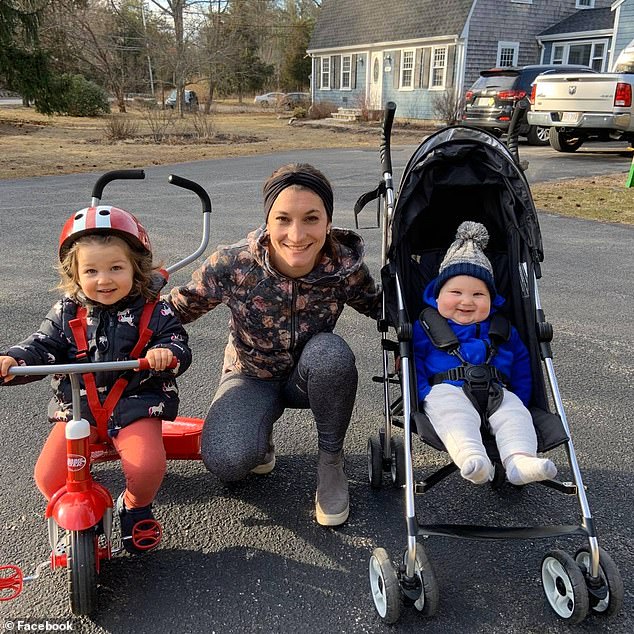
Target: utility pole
147,47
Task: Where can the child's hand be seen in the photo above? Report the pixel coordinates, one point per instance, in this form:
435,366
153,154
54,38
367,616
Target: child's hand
5,364
159,358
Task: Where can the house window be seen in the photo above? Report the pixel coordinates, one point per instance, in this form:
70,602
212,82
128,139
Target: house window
438,67
325,73
584,4
591,54
407,69
507,53
346,66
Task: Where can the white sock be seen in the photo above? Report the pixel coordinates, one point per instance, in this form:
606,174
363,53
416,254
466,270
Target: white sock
522,469
477,468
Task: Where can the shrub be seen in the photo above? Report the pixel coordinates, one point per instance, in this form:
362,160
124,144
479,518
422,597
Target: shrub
159,121
321,109
79,97
300,112
203,125
447,107
119,127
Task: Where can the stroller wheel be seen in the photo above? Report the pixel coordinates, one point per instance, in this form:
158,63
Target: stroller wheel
384,585
375,462
611,582
427,602
398,461
564,586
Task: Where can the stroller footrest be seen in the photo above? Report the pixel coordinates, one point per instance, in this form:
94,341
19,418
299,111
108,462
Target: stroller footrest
569,488
469,531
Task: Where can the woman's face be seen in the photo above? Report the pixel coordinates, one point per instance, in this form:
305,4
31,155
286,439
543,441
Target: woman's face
298,226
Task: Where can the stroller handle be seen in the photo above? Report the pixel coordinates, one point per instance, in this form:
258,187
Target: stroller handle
386,133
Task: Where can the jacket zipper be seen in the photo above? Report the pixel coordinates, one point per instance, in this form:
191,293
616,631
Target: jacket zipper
293,314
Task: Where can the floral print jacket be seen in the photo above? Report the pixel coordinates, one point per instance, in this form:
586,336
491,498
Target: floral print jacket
112,333
273,316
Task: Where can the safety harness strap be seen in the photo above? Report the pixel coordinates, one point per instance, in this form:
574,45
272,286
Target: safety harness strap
481,383
102,411
438,330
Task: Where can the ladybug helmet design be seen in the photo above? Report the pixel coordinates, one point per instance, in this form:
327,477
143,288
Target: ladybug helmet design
104,219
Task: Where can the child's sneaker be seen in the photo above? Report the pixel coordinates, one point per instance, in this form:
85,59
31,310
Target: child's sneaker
140,532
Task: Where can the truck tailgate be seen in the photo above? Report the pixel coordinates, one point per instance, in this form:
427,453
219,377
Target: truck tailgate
575,93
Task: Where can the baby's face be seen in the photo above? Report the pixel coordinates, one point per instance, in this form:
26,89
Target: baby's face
465,300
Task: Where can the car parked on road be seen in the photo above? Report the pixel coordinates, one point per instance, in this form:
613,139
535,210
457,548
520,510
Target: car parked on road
191,100
490,101
269,99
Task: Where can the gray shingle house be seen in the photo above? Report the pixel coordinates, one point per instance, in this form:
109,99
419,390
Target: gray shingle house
367,52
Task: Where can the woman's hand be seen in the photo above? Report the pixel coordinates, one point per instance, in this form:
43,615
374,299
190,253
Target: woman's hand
159,358
5,364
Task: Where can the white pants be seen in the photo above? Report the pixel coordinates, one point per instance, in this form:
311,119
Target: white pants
457,424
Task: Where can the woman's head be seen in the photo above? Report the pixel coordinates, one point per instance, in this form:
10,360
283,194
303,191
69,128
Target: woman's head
106,269
300,176
298,201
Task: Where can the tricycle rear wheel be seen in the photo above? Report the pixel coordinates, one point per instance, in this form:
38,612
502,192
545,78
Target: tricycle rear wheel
81,557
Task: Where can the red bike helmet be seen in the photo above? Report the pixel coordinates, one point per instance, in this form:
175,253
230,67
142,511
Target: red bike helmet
104,219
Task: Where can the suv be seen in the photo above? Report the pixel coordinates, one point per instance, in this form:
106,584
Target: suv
191,100
490,101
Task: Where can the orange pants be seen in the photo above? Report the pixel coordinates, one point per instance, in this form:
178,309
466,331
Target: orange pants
140,446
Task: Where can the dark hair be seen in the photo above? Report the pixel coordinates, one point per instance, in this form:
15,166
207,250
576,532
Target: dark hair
142,266
303,176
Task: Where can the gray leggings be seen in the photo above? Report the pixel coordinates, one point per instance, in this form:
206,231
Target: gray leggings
237,428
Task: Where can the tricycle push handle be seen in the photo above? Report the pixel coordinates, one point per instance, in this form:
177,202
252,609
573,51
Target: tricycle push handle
108,177
179,181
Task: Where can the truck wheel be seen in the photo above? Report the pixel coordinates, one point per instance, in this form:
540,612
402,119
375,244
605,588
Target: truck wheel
564,141
537,135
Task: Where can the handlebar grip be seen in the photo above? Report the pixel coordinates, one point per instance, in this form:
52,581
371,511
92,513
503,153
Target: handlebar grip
144,364
386,132
185,183
114,175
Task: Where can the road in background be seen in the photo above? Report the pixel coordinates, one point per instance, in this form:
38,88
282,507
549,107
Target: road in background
249,557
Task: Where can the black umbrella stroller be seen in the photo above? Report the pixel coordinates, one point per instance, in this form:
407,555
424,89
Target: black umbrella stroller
459,174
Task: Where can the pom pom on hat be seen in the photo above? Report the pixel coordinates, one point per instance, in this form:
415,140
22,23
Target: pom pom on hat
466,257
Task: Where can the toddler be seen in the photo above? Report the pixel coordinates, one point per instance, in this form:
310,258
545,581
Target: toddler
464,294
110,312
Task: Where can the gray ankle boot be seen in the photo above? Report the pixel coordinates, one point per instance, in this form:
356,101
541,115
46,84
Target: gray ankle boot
331,501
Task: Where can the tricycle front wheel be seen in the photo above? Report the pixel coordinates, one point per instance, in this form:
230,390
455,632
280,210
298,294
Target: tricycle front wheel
82,557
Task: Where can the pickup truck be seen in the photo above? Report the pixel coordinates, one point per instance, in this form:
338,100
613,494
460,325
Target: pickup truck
578,107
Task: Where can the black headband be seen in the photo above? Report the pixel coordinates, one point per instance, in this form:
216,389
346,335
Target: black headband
275,186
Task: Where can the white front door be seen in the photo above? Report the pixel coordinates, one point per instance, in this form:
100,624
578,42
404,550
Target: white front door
376,82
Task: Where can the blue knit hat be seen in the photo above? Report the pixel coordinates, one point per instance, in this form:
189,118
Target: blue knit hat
466,257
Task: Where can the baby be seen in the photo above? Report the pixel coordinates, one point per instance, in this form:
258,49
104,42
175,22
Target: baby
464,294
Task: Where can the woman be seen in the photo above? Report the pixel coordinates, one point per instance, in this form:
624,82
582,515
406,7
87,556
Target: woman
286,285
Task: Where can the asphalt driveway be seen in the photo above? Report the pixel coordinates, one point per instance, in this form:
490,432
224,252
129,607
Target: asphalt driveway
249,557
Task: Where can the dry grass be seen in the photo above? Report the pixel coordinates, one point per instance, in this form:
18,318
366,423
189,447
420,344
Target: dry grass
36,145
603,198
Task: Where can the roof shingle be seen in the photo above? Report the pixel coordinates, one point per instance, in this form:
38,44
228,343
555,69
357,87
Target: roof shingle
584,20
362,22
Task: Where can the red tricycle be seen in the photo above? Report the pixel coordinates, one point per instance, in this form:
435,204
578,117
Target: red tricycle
80,515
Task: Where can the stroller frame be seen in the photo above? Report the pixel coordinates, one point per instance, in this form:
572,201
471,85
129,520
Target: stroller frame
574,587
